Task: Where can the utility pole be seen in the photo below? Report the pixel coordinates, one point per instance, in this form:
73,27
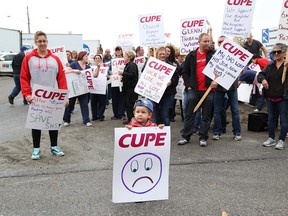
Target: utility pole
28,19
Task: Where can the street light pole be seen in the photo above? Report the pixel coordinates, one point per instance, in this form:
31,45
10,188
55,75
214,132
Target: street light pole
28,19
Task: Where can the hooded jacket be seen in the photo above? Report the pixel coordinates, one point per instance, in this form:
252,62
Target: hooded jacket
46,71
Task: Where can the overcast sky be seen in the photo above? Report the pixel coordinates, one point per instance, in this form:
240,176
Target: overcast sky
104,20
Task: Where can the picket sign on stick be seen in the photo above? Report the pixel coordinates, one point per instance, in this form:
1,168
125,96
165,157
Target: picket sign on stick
284,71
202,99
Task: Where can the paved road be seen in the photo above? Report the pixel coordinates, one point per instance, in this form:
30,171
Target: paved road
240,178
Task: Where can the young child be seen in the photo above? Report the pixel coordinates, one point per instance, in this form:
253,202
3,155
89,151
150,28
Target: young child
143,111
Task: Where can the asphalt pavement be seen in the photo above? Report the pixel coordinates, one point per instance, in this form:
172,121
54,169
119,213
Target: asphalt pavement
227,176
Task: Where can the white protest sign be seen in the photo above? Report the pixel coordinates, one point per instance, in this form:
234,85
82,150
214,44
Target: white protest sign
125,41
151,30
141,164
244,92
47,109
100,82
140,61
283,23
237,18
118,65
154,79
61,53
79,84
190,29
227,63
180,89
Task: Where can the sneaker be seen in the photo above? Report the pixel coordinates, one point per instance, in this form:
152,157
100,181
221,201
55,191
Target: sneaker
88,124
203,143
280,145
215,137
256,110
182,141
55,150
36,154
269,142
11,99
237,138
66,124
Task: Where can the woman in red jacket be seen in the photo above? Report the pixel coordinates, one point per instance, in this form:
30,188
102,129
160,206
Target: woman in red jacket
41,67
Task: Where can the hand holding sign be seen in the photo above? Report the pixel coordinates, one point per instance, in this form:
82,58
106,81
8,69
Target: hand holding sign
225,65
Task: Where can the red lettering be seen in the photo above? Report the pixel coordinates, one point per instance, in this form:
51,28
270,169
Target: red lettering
89,79
150,19
235,51
102,70
240,2
140,60
160,67
121,141
49,95
60,49
192,23
144,140
286,4
160,139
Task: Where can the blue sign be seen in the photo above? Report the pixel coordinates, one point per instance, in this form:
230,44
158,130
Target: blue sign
265,35
86,48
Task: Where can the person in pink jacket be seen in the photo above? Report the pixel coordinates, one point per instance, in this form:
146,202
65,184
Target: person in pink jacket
41,67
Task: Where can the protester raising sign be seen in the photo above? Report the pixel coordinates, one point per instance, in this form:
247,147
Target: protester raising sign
237,18
47,109
151,30
141,164
189,31
154,79
227,63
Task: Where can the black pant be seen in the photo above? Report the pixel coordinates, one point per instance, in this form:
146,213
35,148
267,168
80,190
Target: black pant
130,98
36,135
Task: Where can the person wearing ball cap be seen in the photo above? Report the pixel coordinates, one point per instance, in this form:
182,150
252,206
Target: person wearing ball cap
143,112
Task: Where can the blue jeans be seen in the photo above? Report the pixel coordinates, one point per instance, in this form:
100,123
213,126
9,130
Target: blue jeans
280,107
197,118
193,97
16,90
83,101
219,105
161,110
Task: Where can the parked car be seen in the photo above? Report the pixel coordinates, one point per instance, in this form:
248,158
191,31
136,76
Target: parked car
6,63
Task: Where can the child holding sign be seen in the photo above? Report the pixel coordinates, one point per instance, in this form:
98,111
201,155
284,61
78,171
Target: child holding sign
143,111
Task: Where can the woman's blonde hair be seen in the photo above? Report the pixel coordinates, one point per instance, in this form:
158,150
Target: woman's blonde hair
38,34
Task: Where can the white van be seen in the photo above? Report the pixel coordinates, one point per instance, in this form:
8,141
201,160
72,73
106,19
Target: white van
6,63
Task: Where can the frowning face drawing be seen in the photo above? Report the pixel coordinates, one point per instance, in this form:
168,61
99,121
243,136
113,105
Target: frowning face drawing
142,172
